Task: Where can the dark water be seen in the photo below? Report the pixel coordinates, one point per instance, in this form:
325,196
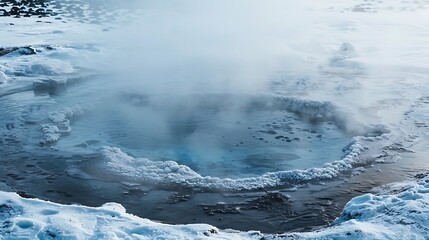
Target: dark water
59,176
276,210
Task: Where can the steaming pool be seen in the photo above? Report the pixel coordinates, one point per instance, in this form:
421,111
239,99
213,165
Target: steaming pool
175,154
188,122
215,135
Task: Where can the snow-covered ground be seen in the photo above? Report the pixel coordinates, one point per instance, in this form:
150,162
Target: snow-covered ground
398,211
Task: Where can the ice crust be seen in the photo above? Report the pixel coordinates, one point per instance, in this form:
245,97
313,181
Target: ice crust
171,173
60,122
37,219
399,211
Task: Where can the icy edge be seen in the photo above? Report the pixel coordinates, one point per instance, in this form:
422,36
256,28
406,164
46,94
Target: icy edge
172,173
399,212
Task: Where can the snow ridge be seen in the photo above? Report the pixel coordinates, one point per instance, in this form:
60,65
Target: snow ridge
171,173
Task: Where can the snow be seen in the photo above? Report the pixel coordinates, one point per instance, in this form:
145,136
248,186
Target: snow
398,211
60,122
37,219
171,173
51,133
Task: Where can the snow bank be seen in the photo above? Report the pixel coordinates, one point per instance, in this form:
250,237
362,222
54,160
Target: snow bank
171,173
37,219
398,212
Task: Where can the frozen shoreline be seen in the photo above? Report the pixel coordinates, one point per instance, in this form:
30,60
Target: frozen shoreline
398,211
317,80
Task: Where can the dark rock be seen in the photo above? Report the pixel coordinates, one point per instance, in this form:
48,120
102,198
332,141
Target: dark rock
179,197
26,50
25,194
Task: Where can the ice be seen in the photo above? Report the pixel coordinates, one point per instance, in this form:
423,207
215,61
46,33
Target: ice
171,173
51,133
60,119
399,211
37,219
160,132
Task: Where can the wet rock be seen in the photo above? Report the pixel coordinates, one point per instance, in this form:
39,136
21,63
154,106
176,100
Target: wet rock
25,194
26,50
179,197
421,175
271,132
7,211
135,192
222,208
210,232
60,192
4,51
269,201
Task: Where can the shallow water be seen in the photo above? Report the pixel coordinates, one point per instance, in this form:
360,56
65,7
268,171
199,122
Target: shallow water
213,138
304,118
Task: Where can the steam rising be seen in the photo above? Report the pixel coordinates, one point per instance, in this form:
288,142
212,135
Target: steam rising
210,46
184,75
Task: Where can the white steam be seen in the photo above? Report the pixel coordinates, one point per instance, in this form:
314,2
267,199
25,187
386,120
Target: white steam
211,46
